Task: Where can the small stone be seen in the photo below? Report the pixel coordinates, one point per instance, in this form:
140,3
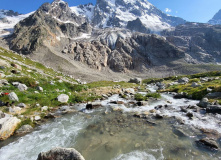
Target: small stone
63,98
22,105
45,108
189,114
40,89
37,118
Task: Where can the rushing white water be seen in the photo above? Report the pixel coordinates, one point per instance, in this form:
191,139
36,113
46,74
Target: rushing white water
61,133
92,133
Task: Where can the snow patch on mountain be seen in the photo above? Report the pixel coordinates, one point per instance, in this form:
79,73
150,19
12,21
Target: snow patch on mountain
7,22
84,10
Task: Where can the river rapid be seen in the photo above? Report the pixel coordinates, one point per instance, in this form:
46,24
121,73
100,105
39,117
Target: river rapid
113,132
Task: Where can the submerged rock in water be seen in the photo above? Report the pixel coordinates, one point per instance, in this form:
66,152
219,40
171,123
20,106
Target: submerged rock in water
24,129
211,143
93,105
61,154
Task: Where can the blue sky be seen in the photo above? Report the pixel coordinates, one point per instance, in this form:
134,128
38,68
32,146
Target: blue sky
191,10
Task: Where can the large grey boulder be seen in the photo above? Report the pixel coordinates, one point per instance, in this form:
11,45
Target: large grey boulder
13,97
93,105
183,80
24,129
204,103
211,143
8,125
63,98
135,80
61,154
213,95
22,87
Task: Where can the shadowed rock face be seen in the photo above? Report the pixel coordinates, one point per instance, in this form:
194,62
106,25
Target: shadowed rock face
47,25
122,51
138,26
61,154
200,41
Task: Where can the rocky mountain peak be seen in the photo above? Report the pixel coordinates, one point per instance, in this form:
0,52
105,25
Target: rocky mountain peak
117,13
216,19
10,13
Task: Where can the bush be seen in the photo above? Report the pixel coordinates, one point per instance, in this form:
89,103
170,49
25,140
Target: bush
154,95
30,82
139,97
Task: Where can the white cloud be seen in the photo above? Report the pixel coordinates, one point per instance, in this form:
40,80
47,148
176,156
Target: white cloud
167,10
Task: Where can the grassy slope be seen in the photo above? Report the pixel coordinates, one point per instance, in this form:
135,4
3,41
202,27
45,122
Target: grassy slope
34,74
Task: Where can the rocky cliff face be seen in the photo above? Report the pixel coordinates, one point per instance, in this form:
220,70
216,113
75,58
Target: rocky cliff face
121,51
216,19
200,41
49,24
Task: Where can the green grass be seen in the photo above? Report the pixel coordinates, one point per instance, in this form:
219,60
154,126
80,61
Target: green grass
110,84
141,97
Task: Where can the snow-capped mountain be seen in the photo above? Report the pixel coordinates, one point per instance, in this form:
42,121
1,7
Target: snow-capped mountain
117,13
8,19
216,19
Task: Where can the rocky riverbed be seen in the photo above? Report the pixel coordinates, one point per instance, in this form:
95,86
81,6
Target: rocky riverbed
163,128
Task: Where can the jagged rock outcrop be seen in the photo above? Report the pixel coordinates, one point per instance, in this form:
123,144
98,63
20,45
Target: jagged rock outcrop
122,51
61,154
48,25
216,18
137,25
200,41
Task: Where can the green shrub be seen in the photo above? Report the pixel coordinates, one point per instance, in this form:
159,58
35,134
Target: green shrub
139,97
30,82
154,95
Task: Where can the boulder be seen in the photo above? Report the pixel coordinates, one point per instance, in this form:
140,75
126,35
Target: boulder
194,85
93,105
22,105
61,154
135,80
2,75
13,96
213,95
37,118
14,110
24,129
15,84
183,80
211,143
129,90
40,89
3,82
213,109
22,87
45,108
203,103
160,85
2,115
181,95
142,103
63,98
8,125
